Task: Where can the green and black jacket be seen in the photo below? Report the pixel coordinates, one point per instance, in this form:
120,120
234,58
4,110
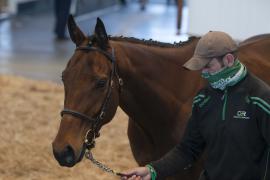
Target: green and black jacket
232,127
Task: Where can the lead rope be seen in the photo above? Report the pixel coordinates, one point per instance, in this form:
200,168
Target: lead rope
89,155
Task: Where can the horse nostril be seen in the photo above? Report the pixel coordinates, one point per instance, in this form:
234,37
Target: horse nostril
66,157
69,156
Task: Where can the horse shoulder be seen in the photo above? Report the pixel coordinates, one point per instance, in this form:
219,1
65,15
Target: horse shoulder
255,55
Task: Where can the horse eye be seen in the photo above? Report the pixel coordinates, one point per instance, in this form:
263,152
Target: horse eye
101,83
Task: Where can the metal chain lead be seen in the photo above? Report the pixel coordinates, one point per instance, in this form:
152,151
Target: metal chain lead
105,168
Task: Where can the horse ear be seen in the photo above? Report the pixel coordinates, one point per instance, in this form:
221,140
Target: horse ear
101,34
75,33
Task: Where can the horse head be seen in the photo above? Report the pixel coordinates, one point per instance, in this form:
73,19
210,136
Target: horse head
91,94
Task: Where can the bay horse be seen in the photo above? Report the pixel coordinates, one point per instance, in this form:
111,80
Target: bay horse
144,78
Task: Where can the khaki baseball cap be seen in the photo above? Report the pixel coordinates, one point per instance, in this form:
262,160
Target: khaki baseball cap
213,44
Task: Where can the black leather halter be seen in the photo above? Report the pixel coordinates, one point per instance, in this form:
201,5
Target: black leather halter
95,121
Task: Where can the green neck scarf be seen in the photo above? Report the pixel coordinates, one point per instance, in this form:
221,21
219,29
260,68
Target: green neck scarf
227,77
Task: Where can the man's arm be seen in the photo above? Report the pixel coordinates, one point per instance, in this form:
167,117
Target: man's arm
180,157
184,154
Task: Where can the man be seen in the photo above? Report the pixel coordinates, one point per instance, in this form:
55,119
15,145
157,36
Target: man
230,120
61,11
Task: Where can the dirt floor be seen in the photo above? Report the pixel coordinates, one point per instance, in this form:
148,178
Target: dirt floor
28,124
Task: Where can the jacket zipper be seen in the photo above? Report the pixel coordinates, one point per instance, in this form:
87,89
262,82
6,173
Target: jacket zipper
224,98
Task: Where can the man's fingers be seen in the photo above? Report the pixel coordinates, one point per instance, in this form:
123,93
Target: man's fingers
129,177
125,176
138,173
133,177
130,173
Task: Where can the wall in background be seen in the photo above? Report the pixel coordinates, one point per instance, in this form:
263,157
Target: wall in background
240,18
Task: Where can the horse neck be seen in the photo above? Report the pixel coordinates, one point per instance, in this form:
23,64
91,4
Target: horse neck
155,84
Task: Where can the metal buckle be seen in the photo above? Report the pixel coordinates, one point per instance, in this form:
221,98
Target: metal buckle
121,82
86,141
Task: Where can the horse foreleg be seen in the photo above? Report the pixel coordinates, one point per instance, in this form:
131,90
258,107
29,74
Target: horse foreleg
140,143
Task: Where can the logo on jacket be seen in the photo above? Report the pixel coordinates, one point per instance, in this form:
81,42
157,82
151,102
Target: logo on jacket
241,115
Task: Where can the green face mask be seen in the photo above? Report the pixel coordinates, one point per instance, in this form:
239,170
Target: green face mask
229,76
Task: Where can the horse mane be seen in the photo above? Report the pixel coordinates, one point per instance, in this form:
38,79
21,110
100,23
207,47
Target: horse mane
149,42
152,42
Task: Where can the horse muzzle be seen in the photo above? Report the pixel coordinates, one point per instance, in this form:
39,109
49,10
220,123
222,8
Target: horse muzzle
67,157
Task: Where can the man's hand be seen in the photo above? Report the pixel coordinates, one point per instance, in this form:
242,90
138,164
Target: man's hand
139,173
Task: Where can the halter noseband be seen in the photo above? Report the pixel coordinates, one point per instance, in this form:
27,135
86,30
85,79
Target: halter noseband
94,121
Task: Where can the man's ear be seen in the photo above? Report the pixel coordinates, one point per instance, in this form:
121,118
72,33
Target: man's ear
228,60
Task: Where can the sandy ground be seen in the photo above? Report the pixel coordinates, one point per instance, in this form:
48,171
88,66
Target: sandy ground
28,124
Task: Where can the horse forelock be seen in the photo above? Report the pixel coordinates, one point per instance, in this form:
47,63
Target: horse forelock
149,42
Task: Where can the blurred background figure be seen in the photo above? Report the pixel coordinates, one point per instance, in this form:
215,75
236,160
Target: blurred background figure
61,10
3,9
143,4
169,2
123,2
